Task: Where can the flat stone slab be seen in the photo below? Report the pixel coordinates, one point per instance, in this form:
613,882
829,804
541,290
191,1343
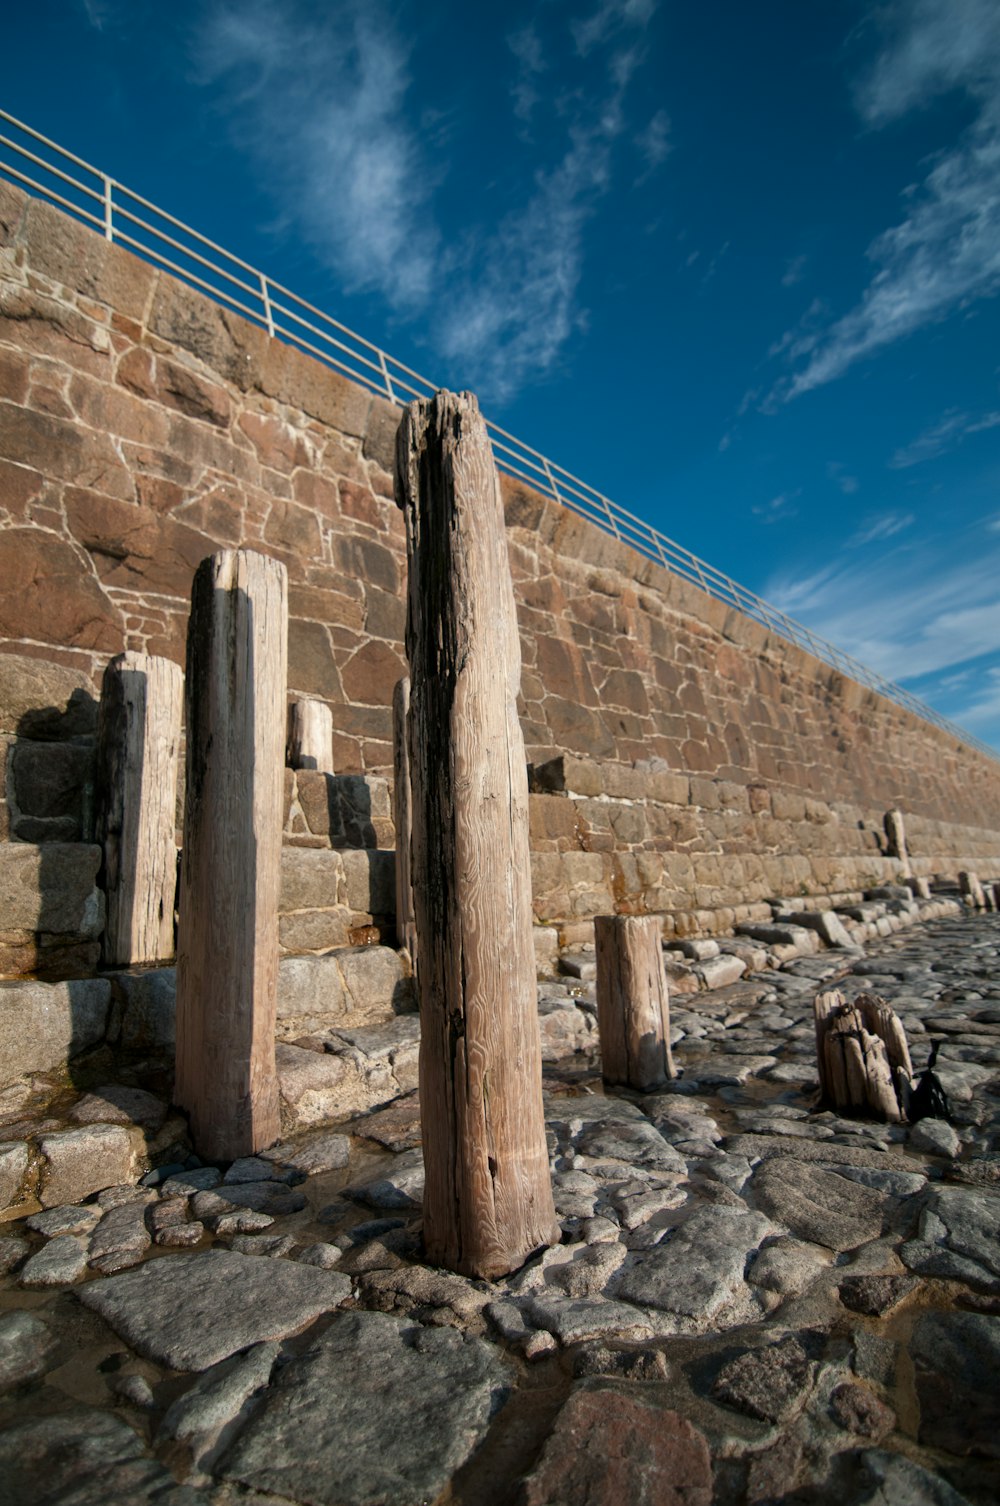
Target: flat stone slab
956,1360
376,1411
958,1236
190,1311
818,1205
27,1347
608,1449
87,1457
699,1268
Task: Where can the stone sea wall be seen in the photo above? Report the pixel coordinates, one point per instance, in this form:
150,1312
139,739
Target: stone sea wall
684,760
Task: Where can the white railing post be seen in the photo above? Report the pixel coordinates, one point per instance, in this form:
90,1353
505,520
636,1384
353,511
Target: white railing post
109,227
266,300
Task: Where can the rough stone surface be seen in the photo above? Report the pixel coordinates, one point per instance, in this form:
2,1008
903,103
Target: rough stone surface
27,1346
190,1311
14,1158
79,1162
390,1412
700,1268
818,1205
59,1263
769,1384
608,1448
956,1359
86,1457
44,1025
197,1422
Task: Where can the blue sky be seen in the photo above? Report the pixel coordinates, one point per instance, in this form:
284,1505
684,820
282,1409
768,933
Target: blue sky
735,265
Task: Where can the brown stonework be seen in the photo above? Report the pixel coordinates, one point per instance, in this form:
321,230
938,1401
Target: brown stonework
142,427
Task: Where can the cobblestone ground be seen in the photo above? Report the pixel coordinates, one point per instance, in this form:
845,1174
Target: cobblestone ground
753,1301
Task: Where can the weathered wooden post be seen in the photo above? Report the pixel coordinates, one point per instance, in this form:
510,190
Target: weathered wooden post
310,736
633,1003
488,1195
895,839
138,744
227,963
406,931
862,1056
972,890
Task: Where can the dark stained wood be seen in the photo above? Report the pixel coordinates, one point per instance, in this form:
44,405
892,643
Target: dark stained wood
488,1197
139,738
406,931
227,963
633,1005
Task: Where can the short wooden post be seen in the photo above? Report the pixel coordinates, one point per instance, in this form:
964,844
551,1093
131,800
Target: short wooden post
895,839
138,741
488,1195
227,964
310,736
633,1006
862,1056
406,931
972,890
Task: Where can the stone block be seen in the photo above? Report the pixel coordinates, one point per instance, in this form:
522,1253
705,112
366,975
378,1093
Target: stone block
146,1008
315,930
229,345
45,1025
44,701
51,888
353,986
370,881
311,879
566,773
14,1159
70,253
352,810
48,591
50,781
81,1161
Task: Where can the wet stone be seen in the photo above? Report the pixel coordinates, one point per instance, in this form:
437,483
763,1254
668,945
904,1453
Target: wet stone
81,1161
770,1384
892,1480
313,1155
597,1359
958,1237
87,1457
376,1410
120,1239
956,1359
12,1252
190,1311
65,1220
875,1295
195,1423
273,1198
27,1348
855,1409
608,1447
186,1183
59,1263
401,1187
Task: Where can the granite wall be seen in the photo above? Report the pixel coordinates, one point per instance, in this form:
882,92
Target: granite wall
684,760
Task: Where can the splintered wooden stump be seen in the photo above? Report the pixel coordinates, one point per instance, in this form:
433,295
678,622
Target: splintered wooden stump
310,736
895,839
227,963
633,1007
862,1056
138,741
488,1197
406,933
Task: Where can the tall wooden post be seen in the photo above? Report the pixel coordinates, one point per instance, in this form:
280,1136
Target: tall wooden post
310,736
633,1006
138,741
895,839
488,1196
406,930
227,964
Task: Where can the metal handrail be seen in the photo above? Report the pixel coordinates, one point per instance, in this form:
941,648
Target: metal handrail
233,282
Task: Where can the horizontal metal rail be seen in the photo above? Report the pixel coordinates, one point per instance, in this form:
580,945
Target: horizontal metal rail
47,170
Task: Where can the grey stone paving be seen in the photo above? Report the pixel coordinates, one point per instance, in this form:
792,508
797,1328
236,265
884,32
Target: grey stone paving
818,1296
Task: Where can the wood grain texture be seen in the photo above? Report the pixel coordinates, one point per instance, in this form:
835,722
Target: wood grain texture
310,736
138,742
227,963
633,1005
862,1056
406,930
488,1197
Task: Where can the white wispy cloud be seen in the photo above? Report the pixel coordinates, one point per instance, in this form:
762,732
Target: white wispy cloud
943,436
610,18
323,99
985,704
936,614
842,478
654,143
778,508
526,45
945,252
319,101
877,529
